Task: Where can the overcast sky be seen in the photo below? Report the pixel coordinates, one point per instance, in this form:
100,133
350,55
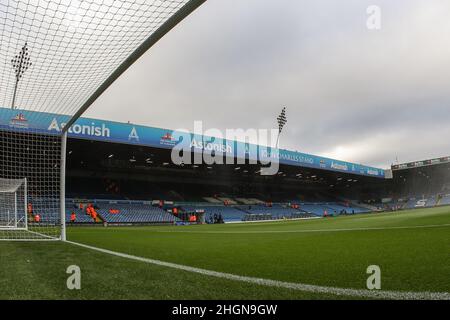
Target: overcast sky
351,93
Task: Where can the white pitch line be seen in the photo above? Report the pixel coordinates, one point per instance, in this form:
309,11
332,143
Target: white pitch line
360,293
307,231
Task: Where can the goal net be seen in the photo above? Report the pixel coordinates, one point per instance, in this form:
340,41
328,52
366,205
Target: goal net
13,206
29,186
57,57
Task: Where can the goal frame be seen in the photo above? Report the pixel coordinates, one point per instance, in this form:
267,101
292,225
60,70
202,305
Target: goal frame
132,56
16,210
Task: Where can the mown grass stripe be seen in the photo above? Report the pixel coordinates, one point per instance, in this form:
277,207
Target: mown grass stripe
308,231
359,293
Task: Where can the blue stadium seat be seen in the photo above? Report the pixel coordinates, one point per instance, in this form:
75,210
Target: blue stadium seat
136,213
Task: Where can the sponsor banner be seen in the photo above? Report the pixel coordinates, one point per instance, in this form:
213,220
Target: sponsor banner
110,131
417,164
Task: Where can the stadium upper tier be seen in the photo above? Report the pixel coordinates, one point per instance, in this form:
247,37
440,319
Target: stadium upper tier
108,131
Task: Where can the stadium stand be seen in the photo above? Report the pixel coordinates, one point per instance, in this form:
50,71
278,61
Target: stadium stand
143,212
348,209
120,212
242,202
276,210
135,213
228,213
258,217
81,217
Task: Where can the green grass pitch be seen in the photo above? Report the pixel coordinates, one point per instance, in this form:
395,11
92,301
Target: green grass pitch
412,249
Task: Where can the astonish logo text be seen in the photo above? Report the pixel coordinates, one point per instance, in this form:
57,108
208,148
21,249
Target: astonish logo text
87,130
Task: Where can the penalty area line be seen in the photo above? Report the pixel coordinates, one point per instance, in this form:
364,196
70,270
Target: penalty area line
360,293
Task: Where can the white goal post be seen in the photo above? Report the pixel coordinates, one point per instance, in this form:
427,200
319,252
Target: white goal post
13,204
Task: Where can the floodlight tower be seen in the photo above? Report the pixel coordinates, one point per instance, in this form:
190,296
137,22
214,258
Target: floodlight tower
281,119
20,63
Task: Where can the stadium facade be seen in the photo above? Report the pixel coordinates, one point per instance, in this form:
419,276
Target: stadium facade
114,132
113,164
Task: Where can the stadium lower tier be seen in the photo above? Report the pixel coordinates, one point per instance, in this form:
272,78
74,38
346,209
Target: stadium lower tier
133,213
138,212
144,212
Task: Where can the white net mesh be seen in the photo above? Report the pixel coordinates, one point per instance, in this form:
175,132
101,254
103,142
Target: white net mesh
35,157
13,214
10,185
73,46
54,57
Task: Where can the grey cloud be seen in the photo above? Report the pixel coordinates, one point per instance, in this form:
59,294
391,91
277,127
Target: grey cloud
359,95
